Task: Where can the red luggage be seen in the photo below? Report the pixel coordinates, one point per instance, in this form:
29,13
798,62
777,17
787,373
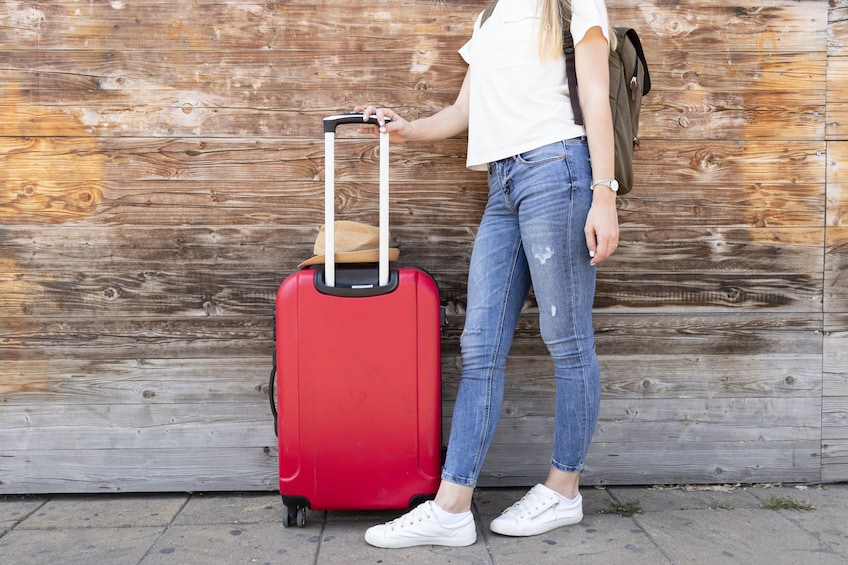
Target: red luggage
358,375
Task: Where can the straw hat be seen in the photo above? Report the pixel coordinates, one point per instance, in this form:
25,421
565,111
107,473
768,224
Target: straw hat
355,243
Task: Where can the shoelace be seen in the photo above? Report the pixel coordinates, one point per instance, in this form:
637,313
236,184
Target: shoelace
417,514
529,503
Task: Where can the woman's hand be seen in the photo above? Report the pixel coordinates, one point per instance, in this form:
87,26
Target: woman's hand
447,122
602,225
398,129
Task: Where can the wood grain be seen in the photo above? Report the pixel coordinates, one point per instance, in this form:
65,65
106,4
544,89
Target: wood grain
161,173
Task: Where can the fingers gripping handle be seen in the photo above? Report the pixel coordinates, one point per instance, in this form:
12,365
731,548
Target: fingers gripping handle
330,125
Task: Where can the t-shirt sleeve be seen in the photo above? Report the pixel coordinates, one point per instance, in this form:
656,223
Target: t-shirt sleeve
465,50
586,14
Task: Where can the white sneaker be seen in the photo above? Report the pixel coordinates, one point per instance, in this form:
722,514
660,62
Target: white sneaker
420,526
541,510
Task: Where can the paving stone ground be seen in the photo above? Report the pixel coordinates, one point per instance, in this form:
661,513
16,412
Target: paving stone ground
763,524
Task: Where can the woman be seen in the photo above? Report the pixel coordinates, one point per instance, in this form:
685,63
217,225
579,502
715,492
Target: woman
550,219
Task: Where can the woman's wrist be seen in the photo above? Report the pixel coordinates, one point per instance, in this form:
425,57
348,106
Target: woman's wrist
611,183
604,195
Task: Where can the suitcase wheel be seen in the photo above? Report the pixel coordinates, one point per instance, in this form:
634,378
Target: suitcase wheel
294,515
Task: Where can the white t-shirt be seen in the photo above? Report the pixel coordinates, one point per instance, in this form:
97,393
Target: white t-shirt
519,102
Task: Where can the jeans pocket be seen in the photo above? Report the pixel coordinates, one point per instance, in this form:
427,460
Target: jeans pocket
544,154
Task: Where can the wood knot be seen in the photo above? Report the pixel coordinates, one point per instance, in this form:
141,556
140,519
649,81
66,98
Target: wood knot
211,308
734,295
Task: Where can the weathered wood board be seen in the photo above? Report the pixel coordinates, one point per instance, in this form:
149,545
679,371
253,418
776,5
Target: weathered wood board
161,172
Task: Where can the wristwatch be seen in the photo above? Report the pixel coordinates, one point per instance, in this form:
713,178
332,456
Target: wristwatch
611,183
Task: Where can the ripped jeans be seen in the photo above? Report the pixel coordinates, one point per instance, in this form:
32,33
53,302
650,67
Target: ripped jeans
531,232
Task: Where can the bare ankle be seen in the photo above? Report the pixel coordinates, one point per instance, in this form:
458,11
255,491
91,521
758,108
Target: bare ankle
454,498
566,484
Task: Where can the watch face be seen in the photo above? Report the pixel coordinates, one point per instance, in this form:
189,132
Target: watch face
614,185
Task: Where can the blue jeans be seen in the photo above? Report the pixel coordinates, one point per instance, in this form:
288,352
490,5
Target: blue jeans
531,233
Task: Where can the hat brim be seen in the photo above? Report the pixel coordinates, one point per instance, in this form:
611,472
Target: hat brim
363,256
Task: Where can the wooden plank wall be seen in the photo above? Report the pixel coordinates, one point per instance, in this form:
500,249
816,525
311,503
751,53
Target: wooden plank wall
835,362
161,169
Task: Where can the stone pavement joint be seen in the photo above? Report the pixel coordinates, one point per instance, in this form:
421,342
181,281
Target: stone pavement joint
622,525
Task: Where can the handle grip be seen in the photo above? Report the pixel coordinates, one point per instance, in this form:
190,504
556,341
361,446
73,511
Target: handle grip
332,122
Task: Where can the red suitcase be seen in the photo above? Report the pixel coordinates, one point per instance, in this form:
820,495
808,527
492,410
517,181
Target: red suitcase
358,386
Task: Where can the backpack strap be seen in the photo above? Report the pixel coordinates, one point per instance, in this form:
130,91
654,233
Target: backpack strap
571,75
640,55
488,12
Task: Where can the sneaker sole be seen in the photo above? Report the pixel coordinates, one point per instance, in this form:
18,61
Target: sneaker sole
400,544
506,530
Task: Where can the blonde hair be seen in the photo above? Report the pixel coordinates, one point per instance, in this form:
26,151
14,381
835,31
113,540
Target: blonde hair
550,35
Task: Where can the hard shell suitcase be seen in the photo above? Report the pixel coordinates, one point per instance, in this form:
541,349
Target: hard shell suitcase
358,377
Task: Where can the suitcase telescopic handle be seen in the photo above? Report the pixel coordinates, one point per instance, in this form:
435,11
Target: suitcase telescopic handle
330,125
333,122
